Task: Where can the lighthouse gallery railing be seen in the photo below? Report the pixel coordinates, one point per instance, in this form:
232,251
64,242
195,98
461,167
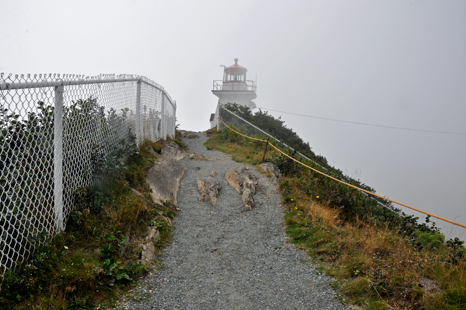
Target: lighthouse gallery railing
219,85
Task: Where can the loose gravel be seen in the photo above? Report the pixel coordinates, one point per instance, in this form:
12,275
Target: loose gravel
223,257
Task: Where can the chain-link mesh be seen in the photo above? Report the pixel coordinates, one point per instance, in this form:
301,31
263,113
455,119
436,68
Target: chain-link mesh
52,130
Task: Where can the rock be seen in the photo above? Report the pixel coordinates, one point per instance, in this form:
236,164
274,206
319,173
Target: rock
146,201
173,151
272,170
242,180
209,189
148,245
188,134
164,177
164,180
153,234
196,156
148,253
168,221
248,199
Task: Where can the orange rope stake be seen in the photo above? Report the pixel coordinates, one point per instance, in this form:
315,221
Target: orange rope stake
350,185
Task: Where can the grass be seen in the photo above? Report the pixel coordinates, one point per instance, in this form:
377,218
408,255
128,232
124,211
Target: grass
241,151
377,264
96,259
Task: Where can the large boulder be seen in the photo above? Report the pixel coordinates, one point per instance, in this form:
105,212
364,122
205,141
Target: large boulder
209,189
164,180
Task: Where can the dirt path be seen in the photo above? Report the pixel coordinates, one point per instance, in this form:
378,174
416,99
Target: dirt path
223,257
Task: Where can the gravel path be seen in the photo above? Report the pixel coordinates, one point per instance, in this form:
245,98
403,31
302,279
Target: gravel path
233,259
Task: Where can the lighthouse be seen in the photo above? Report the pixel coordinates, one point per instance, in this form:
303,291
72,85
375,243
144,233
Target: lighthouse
234,88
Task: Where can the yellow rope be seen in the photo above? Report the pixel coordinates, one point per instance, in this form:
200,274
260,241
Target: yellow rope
241,133
350,185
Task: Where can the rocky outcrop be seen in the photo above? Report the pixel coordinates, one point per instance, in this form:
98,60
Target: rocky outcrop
164,178
242,180
209,189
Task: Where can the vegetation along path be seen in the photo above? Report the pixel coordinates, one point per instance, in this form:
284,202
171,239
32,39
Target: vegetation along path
224,256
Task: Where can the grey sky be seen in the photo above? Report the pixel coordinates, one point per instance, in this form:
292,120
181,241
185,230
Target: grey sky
396,63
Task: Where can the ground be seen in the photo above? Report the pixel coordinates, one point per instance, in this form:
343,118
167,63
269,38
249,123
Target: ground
226,257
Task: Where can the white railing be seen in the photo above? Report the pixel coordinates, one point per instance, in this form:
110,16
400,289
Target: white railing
248,85
51,128
233,119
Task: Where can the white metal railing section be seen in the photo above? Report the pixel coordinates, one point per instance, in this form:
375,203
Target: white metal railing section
51,126
248,85
231,118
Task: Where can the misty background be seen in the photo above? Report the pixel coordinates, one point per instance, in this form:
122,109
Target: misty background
393,63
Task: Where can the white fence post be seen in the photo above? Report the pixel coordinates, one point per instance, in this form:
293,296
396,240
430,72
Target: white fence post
217,115
138,114
164,119
58,158
174,121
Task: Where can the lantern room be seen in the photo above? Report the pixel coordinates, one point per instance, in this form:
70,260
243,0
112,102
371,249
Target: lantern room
234,88
234,77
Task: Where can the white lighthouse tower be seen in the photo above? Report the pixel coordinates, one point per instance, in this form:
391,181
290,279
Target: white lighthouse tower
234,88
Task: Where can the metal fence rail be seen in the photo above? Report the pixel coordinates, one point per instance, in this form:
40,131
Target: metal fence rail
51,129
243,125
231,118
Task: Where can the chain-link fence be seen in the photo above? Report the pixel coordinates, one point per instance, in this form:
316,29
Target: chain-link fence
52,128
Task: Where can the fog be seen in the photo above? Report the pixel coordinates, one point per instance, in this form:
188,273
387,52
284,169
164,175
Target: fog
392,63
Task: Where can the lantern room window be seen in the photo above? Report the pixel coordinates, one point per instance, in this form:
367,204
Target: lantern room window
235,78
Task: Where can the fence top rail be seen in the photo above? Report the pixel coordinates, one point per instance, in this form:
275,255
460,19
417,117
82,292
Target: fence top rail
222,106
11,82
272,137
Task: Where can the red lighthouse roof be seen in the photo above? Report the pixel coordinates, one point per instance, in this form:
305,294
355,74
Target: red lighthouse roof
236,67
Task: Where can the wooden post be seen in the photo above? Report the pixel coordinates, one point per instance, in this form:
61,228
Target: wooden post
265,150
